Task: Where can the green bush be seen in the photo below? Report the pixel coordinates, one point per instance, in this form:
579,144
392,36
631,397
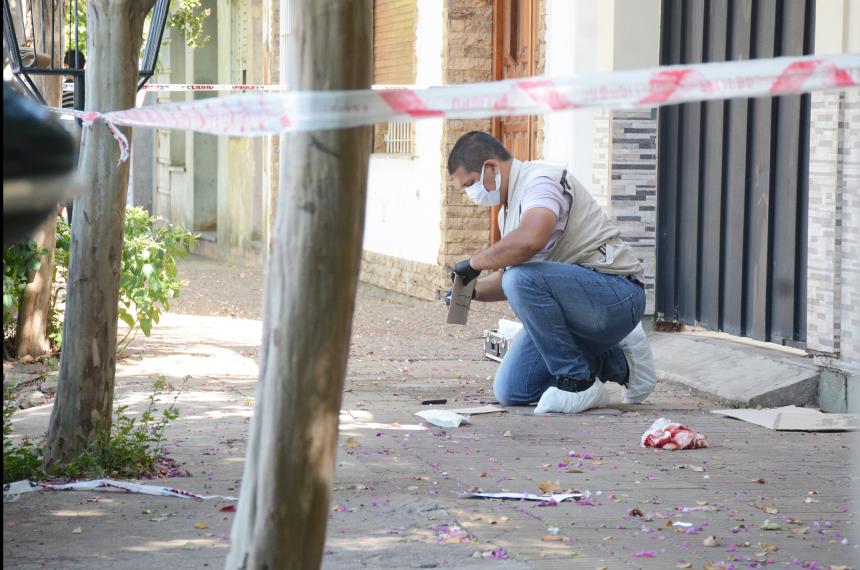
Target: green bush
131,449
19,461
148,281
19,262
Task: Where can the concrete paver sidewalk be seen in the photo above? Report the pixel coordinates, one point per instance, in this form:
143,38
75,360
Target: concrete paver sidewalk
397,497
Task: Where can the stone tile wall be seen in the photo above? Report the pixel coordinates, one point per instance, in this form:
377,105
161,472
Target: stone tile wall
467,58
824,222
850,243
601,149
624,181
633,187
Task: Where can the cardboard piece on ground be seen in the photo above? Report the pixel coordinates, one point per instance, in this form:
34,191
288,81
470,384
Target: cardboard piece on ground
461,299
488,409
792,418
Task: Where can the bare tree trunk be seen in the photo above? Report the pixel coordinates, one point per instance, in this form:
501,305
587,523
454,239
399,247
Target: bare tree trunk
310,295
31,336
85,389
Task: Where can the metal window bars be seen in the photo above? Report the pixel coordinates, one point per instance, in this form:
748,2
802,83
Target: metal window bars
48,64
400,138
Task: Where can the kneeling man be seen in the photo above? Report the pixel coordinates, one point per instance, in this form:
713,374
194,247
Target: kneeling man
574,283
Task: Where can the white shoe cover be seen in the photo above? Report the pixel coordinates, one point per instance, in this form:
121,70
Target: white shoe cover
555,400
643,376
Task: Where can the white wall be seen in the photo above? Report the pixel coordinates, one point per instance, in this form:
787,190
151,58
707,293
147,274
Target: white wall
404,194
571,48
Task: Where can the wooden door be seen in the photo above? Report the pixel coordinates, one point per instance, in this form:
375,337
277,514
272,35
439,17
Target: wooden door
515,55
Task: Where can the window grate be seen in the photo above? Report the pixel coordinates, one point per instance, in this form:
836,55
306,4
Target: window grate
400,138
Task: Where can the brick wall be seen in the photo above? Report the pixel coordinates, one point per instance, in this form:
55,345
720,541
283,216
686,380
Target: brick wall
413,278
467,58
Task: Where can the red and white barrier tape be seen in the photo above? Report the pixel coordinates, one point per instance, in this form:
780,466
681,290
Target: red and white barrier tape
264,114
220,87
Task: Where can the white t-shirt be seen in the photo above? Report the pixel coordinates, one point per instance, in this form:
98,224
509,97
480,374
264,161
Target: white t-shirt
544,192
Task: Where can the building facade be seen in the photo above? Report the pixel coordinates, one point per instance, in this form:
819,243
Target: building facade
418,224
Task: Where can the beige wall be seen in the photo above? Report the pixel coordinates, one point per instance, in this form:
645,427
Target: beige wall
837,26
628,34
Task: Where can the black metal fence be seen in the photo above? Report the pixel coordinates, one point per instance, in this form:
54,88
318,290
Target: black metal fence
733,177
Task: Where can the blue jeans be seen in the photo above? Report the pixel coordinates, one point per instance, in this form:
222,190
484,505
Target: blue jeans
573,319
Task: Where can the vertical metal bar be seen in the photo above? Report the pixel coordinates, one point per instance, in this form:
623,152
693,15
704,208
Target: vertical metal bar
803,187
759,184
734,183
688,174
77,37
53,34
786,188
670,53
43,9
711,204
80,92
683,33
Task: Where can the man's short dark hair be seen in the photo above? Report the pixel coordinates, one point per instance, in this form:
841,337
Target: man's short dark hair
472,149
74,58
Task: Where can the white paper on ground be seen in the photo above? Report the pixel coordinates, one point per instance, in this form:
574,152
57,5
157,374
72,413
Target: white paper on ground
792,418
442,418
14,490
557,497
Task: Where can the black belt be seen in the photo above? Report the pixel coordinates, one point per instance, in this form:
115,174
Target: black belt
633,279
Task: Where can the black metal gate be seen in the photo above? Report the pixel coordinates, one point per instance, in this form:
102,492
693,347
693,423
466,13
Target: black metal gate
733,178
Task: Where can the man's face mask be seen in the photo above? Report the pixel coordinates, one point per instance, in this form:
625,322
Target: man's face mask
483,197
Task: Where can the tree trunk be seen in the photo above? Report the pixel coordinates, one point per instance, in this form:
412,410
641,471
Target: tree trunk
31,336
310,295
84,399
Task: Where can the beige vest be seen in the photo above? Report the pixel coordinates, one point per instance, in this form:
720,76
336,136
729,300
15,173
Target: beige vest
589,239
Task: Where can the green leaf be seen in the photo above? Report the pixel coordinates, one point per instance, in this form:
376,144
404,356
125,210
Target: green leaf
146,326
127,318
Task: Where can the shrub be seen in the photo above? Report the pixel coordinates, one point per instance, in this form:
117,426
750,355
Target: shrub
132,448
148,281
19,262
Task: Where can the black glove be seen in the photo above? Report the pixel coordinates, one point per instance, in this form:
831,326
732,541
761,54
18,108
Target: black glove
450,295
465,270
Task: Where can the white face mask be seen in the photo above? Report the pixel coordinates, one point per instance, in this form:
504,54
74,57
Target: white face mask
483,197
